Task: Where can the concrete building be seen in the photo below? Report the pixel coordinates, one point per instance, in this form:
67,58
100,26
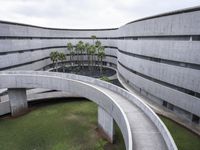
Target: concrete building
114,103
158,56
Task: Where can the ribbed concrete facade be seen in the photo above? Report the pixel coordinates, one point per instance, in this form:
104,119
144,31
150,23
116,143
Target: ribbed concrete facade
159,56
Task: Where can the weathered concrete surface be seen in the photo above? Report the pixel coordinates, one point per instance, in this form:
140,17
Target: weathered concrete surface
18,101
139,125
173,37
105,123
162,110
5,108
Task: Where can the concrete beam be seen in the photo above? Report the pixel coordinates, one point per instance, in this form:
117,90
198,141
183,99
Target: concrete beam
18,101
105,124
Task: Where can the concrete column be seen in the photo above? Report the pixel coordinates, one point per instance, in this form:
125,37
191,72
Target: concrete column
105,124
18,101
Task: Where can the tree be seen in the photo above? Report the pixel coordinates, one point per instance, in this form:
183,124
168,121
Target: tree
54,59
87,49
62,58
80,49
77,53
101,55
97,43
92,51
71,52
93,37
98,46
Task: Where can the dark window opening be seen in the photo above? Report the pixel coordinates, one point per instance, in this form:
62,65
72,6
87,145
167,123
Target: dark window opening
164,103
196,38
170,106
190,92
195,119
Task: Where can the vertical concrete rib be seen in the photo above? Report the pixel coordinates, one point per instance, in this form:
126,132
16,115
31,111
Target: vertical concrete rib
18,101
105,124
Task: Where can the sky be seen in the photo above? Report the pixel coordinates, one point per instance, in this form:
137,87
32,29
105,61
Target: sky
86,14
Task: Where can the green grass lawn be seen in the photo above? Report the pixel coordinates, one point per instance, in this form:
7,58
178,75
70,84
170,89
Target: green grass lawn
184,139
61,126
72,126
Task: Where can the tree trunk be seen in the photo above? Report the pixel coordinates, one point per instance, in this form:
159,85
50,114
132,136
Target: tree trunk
81,59
92,62
101,66
88,61
70,59
56,66
63,68
77,58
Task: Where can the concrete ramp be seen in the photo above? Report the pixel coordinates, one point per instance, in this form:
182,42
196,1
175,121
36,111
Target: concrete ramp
140,126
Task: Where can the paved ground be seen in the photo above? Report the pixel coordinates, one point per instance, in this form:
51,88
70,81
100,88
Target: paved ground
145,134
162,110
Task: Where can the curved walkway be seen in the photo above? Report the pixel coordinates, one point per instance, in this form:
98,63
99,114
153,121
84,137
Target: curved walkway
141,128
158,109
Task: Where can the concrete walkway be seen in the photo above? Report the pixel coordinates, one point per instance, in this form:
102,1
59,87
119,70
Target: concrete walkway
146,130
162,110
145,135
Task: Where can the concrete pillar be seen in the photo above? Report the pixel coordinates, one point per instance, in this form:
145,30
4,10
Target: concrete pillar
18,101
105,124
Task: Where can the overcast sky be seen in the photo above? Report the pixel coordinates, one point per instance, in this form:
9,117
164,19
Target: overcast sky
85,13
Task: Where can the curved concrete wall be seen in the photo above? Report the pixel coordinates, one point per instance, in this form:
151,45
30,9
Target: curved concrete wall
158,55
61,83
70,83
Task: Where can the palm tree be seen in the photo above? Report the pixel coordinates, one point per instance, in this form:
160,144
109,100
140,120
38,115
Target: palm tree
54,59
97,43
98,46
71,52
80,50
101,55
87,49
62,58
92,52
77,53
93,37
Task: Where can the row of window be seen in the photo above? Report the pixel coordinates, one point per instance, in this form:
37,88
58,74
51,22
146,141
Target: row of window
194,118
165,61
181,89
27,63
164,37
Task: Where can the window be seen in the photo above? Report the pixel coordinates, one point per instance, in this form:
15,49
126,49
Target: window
195,119
164,103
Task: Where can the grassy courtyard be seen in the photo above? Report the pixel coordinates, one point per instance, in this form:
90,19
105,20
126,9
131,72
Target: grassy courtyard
184,139
71,126
61,126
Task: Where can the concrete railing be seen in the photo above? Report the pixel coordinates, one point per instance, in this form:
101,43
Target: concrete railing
56,81
130,97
